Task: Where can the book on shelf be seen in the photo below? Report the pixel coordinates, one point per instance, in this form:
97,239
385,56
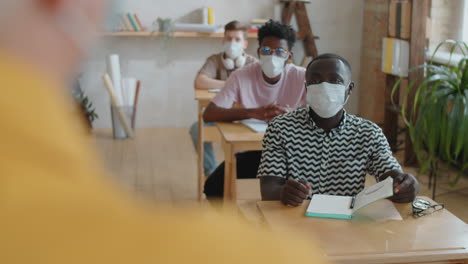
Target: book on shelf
126,23
131,23
137,19
210,16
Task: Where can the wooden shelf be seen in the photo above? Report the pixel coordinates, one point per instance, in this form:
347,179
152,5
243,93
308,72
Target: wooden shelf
182,35
175,34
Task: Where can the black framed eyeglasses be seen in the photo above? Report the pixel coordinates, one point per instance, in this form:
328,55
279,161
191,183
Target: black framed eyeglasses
280,52
422,207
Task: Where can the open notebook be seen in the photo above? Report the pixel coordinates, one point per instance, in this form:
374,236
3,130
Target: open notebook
343,207
256,125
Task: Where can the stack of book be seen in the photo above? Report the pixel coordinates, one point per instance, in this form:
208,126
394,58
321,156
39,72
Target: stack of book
395,51
131,22
399,22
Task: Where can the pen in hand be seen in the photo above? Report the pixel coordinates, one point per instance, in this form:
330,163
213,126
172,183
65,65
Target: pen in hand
353,200
306,185
294,192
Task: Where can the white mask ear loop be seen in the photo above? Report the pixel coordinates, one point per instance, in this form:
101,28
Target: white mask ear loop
347,94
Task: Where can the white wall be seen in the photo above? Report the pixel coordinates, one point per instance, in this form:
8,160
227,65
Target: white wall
167,68
338,23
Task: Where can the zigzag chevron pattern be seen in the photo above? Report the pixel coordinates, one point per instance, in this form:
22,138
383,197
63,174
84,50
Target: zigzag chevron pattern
336,164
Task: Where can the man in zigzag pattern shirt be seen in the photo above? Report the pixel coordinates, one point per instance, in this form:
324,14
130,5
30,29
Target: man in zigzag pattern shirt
320,149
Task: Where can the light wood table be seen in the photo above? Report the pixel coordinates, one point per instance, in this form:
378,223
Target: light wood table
235,137
438,238
205,134
204,97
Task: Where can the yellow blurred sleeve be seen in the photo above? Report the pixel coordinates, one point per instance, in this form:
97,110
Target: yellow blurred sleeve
58,206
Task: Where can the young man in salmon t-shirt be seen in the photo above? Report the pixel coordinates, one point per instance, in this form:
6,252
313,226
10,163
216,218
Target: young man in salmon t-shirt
263,91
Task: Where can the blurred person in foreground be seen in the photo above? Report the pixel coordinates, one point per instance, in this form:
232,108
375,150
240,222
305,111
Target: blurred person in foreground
56,205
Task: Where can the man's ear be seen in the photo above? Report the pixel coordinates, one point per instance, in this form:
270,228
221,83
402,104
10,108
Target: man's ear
350,88
246,44
258,52
291,55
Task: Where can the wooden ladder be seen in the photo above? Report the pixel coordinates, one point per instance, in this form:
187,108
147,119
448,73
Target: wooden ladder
305,30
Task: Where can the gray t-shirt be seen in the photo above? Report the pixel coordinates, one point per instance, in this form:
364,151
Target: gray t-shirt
214,66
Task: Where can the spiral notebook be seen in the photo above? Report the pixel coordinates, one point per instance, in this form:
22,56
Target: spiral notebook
343,207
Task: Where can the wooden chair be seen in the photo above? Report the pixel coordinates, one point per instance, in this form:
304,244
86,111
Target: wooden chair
205,134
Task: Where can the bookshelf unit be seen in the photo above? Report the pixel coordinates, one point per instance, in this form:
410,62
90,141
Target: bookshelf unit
420,9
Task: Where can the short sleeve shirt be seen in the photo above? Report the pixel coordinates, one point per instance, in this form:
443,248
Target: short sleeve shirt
333,163
247,87
215,69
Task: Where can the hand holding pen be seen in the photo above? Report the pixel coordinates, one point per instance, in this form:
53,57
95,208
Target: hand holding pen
294,192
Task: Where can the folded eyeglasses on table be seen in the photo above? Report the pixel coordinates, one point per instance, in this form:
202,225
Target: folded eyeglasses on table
422,207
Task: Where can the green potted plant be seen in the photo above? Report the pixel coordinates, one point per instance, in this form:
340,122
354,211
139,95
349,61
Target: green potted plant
437,120
165,26
86,105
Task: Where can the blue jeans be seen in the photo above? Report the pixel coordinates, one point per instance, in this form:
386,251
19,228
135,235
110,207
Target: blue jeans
209,160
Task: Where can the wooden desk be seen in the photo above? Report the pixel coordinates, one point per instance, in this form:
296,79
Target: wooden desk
248,189
439,238
205,134
235,137
204,97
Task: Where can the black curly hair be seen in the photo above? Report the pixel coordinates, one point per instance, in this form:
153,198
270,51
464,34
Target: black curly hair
277,29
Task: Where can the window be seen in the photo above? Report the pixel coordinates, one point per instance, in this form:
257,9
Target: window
465,22
449,21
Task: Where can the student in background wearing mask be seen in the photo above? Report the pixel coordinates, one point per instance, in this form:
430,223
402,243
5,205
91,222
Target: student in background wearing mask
57,205
320,149
263,91
214,74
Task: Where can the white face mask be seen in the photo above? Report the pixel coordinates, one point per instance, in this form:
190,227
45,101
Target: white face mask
326,99
233,49
272,65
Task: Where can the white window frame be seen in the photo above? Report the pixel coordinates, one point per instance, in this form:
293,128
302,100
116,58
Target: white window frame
465,22
444,57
